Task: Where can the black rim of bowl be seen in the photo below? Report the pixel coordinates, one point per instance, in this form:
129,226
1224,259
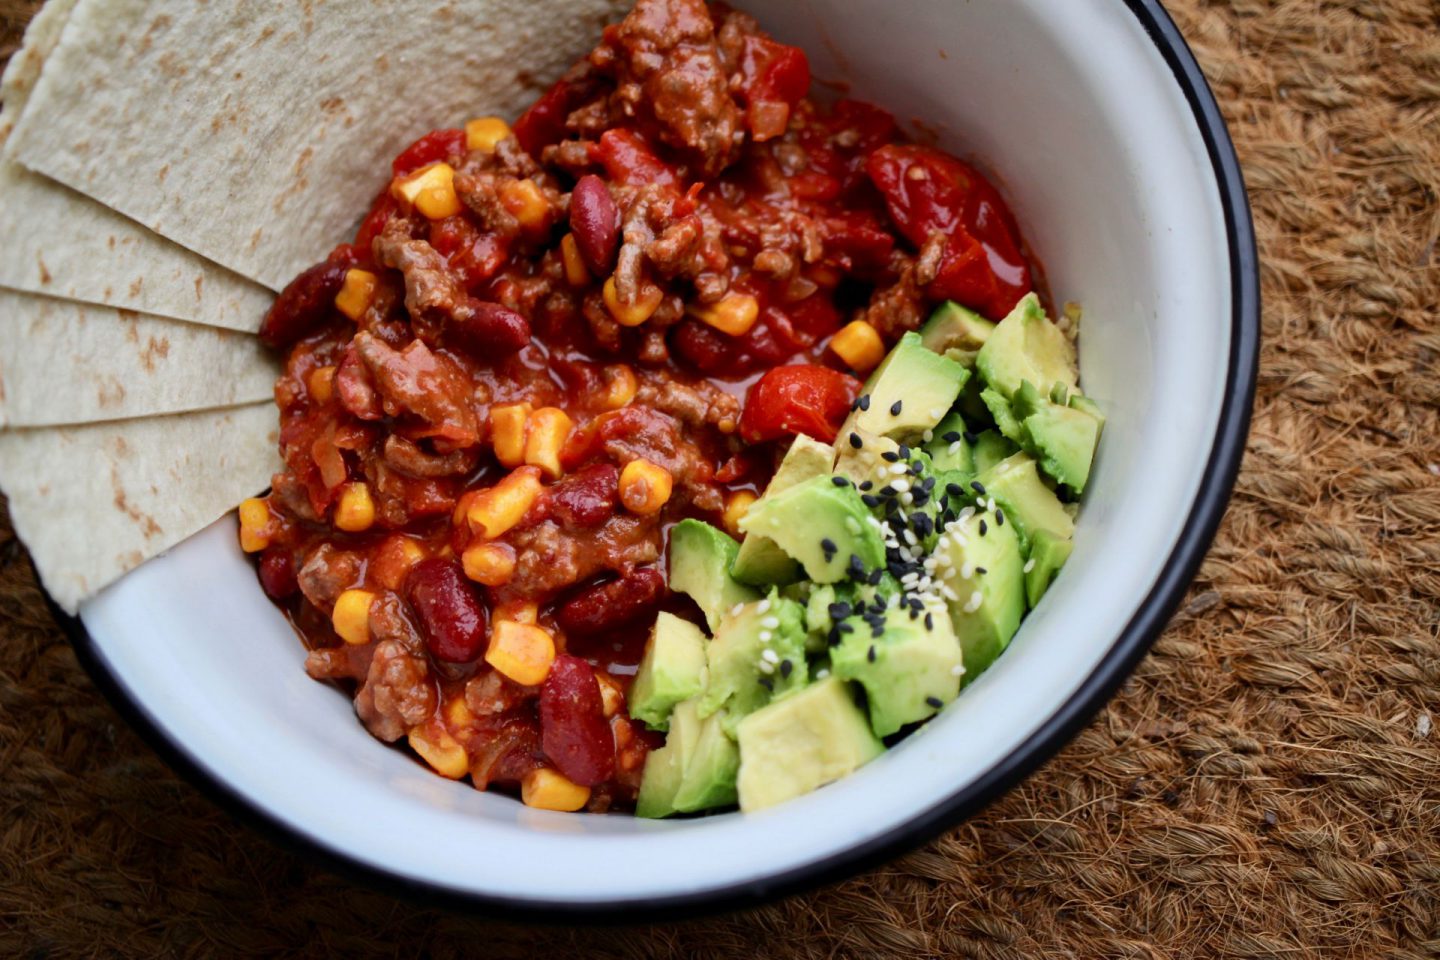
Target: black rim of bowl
1132,644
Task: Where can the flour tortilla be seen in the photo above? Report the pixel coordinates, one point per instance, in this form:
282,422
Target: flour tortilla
63,362
257,134
61,243
94,502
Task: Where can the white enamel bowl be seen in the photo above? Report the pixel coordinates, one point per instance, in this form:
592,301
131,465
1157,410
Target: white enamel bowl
1125,182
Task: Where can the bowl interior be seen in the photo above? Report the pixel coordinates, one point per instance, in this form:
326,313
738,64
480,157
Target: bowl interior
1072,105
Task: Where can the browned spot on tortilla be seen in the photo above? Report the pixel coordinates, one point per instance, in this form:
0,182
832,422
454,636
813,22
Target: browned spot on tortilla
155,349
122,449
943,54
111,242
44,273
132,331
304,159
148,527
172,66
106,294
199,286
255,238
332,104
446,12
163,171
382,63
109,392
131,560
130,316
135,286
267,33
82,147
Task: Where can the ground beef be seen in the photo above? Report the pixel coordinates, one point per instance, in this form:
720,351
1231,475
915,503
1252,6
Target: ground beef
327,572
398,692
427,384
551,557
430,286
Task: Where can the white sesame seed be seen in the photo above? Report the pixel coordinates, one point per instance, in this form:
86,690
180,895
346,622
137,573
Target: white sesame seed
852,525
1001,467
770,656
893,602
766,636
735,610
907,498
974,602
936,413
1029,565
763,607
967,571
927,436
948,593
990,504
766,666
821,674
954,448
770,623
899,469
910,538
901,485
956,670
965,514
876,524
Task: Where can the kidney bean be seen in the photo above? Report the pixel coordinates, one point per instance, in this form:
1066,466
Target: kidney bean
307,301
489,330
277,573
595,221
608,606
573,730
452,619
356,389
586,499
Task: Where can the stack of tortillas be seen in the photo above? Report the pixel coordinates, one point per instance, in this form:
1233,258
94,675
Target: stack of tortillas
164,168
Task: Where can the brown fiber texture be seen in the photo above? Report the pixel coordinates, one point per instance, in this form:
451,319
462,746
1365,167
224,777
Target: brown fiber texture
1267,784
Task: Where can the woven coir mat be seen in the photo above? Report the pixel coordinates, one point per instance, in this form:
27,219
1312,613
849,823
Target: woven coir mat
1268,783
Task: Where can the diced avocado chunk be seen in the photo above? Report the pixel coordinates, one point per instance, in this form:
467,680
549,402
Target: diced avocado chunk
1027,346
990,449
673,669
909,672
953,327
694,770
1048,554
1028,504
747,657
947,448
989,605
810,738
760,561
865,461
909,392
1004,415
821,525
700,561
1086,405
1064,439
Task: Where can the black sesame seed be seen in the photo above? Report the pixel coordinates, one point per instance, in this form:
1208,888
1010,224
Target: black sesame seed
877,631
875,576
828,546
889,456
929,621
954,489
785,667
855,441
896,407
919,498
870,500
897,569
978,487
846,628
969,437
904,452
951,437
914,614
935,702
856,566
867,485
767,683
834,636
981,570
864,401
999,517
928,484
838,611
923,524
887,491
840,481
983,528
870,654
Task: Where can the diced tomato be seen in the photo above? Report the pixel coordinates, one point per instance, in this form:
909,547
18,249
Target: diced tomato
629,161
814,317
544,123
927,191
475,255
384,207
774,77
803,398
431,148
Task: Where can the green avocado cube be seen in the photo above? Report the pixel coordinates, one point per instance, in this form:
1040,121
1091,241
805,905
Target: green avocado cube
760,562
695,769
908,393
812,737
700,561
757,653
821,525
672,670
1064,440
990,448
1027,346
948,449
1048,554
953,327
1027,503
910,666
984,573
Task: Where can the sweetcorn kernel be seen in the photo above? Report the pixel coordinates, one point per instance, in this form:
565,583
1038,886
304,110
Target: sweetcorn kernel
483,133
523,652
394,559
355,511
575,272
357,293
507,432
545,435
440,750
859,345
431,190
611,699
255,529
491,564
645,487
735,314
321,384
525,201
735,506
544,789
458,714
501,507
631,314
517,611
621,386
351,616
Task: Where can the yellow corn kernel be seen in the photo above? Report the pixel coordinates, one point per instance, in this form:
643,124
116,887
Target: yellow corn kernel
321,384
735,506
507,432
645,487
544,789
457,712
394,559
517,611
351,616
356,510
483,133
523,652
356,293
431,190
620,386
440,750
859,345
498,509
525,201
631,314
254,524
491,564
545,435
735,314
611,699
575,272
